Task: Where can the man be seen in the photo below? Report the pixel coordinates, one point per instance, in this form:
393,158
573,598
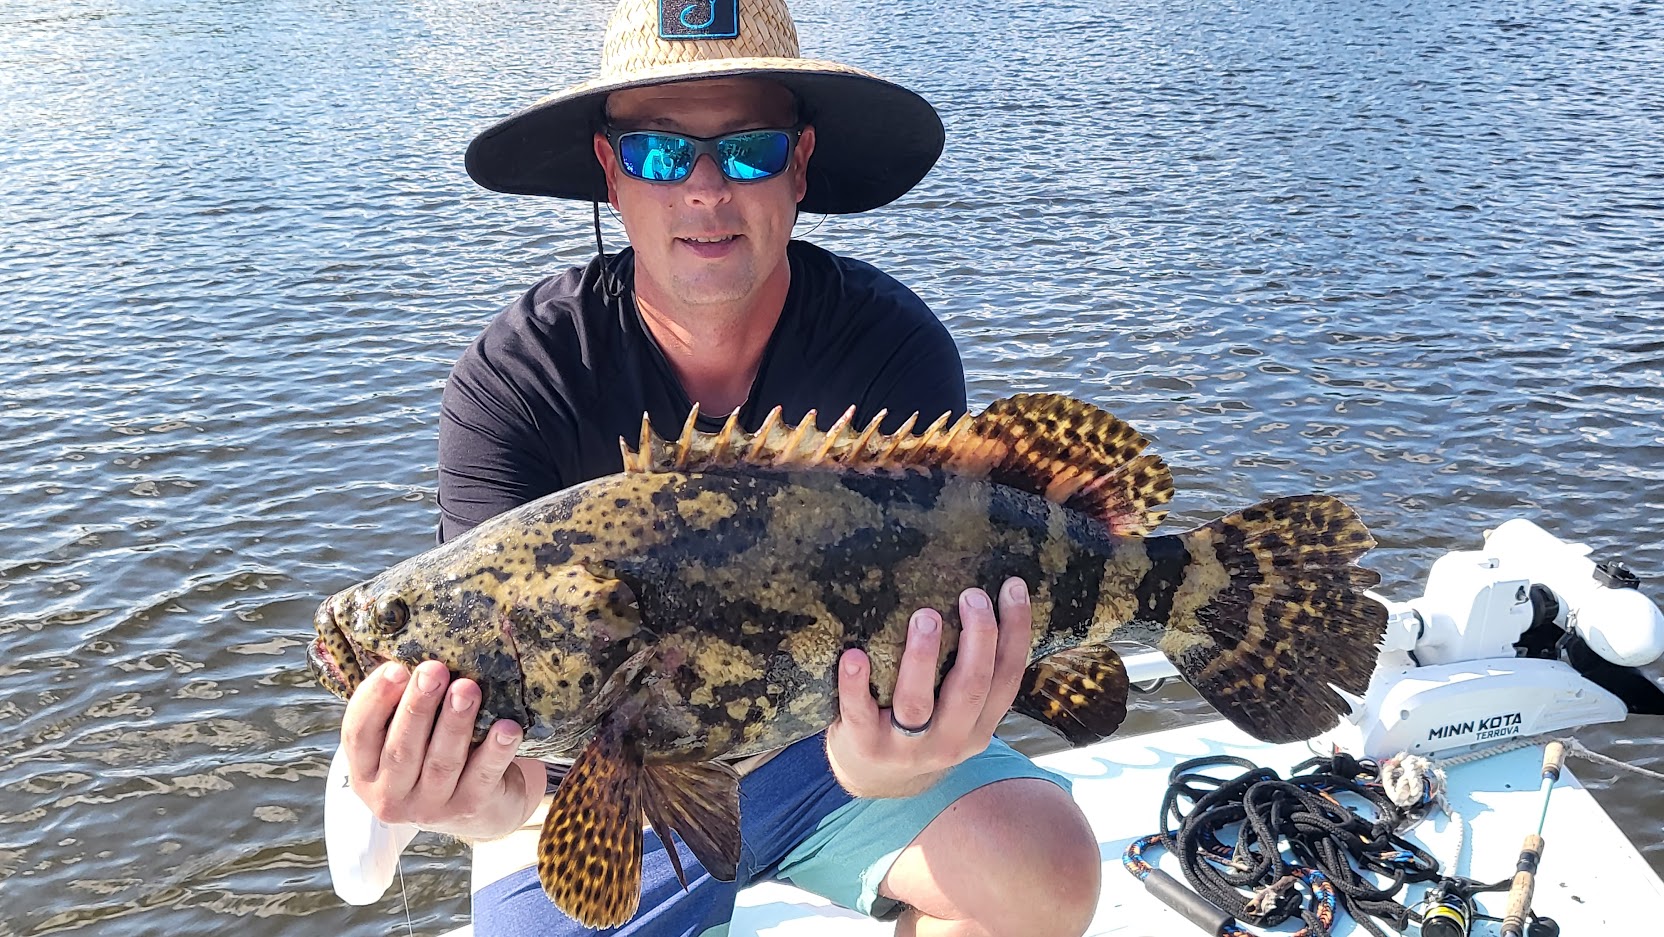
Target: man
706,133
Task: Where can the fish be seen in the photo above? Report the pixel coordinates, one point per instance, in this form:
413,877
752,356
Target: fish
653,626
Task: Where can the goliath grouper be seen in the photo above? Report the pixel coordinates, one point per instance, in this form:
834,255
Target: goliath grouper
653,625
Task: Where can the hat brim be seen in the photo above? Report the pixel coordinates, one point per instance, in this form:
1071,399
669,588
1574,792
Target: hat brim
874,140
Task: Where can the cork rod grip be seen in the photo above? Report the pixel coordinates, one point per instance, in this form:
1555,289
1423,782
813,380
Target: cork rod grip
1554,755
1525,881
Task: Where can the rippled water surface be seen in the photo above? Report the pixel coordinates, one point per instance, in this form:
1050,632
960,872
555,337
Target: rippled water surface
1408,253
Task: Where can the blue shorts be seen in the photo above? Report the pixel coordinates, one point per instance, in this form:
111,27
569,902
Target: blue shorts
796,826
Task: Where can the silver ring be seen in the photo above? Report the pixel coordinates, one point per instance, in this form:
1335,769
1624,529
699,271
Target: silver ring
909,731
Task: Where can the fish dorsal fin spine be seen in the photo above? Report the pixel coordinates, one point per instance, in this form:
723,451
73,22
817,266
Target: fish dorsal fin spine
1064,449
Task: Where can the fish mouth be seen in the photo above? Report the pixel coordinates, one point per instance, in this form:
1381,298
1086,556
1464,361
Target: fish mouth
335,660
325,670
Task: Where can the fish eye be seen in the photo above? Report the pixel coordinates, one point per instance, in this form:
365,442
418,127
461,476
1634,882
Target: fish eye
392,615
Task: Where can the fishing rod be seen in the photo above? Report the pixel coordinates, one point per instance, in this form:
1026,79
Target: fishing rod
1525,879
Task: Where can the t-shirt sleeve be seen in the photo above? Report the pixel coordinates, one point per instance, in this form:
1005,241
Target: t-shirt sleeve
494,442
923,374
862,336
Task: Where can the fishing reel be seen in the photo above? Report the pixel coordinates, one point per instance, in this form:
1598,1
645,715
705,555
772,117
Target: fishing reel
1448,910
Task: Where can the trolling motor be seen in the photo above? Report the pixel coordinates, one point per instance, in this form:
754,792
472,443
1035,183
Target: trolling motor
1525,636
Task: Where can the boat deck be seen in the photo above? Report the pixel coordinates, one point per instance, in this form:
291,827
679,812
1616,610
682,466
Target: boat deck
1591,875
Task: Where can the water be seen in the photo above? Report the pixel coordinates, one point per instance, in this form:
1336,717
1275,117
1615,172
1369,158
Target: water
1407,253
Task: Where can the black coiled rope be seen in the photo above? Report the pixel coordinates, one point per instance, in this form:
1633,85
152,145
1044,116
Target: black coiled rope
1328,843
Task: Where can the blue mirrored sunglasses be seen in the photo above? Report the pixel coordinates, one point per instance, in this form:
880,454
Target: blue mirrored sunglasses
746,156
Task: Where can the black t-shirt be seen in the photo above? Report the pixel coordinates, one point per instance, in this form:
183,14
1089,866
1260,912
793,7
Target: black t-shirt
539,401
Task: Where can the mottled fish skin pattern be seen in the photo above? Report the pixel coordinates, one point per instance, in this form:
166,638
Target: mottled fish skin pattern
750,584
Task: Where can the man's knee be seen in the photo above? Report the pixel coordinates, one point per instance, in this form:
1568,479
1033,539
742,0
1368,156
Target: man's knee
1053,869
1015,857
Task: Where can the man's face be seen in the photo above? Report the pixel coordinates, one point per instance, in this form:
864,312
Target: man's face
707,239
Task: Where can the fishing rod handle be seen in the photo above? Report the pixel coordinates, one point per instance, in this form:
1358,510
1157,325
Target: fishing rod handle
1554,755
1525,880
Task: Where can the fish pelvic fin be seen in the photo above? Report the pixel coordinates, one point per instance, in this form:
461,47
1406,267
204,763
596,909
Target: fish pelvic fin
1267,614
1066,450
589,853
1081,693
699,802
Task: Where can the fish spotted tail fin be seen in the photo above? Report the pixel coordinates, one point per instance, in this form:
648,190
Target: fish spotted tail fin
1270,611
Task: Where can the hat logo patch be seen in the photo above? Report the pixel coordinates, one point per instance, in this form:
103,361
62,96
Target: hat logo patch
699,19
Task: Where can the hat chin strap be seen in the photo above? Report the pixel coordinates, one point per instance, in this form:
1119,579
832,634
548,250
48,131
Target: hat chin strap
611,285
812,229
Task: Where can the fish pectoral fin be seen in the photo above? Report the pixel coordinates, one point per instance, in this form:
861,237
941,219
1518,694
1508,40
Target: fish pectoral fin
1081,692
589,854
699,802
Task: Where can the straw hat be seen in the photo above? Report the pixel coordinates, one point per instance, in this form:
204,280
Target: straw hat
874,140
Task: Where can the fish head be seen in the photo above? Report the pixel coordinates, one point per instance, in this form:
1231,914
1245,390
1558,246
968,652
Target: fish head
419,611
358,630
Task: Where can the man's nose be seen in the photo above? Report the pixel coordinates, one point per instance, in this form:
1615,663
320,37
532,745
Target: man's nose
705,182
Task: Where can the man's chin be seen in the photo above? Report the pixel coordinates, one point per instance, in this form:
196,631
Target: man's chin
712,290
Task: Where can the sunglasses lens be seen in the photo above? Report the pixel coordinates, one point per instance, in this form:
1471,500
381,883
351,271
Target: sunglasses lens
669,157
755,155
656,157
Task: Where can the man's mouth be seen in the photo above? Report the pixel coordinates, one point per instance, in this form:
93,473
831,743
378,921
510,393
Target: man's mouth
710,247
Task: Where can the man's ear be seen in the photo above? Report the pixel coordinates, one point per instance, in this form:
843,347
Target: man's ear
800,161
609,167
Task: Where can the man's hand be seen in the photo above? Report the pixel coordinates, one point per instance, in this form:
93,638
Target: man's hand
406,742
871,757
